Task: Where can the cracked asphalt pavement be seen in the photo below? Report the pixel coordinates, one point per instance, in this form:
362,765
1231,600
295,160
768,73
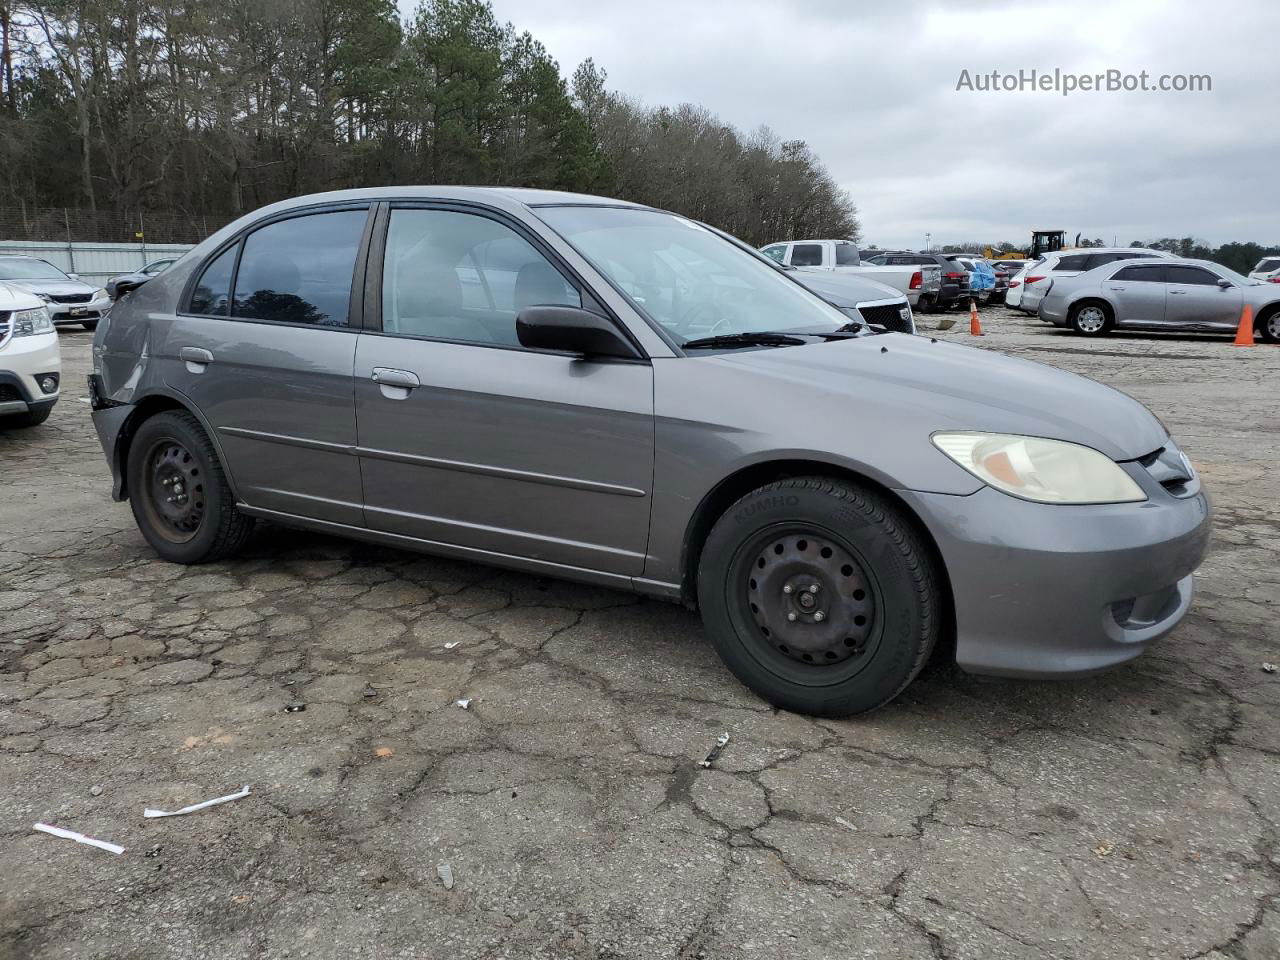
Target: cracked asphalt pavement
1130,815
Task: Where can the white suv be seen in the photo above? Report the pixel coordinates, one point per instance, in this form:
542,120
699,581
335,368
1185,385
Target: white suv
1268,268
1031,286
30,361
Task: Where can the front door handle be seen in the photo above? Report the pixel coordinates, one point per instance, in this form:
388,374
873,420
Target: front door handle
1177,293
390,377
197,358
395,384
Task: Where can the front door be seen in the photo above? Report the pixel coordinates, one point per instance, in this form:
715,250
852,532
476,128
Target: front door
465,437
264,350
1195,298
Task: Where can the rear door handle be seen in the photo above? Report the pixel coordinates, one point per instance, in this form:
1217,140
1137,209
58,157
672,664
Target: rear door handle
1177,293
197,358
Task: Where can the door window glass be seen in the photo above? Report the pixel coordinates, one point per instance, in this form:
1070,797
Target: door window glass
806,255
459,276
846,255
299,270
1147,273
1074,262
212,293
777,252
1191,275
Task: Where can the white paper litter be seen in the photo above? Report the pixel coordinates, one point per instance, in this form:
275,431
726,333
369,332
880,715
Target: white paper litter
445,873
451,644
195,806
464,702
78,838
845,823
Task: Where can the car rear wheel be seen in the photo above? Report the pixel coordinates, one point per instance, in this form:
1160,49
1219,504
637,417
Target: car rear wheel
1269,326
179,493
1090,319
820,596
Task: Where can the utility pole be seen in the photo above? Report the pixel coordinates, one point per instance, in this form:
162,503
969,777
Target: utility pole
927,238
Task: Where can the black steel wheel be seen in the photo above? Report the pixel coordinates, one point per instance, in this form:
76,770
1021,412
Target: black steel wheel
179,492
821,595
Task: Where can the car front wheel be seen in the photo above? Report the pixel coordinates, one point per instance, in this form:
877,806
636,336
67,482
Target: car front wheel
820,596
179,492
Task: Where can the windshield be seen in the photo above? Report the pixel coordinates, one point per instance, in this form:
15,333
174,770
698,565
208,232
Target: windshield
688,279
29,270
1236,277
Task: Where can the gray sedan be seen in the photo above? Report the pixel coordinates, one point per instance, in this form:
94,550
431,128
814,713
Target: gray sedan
1167,294
596,390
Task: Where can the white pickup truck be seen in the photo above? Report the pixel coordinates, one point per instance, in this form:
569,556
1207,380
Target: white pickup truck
915,281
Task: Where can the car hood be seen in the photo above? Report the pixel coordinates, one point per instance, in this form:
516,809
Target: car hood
845,290
54,287
13,297
936,385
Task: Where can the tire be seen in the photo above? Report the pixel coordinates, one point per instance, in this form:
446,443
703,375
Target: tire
32,418
1269,326
879,592
1091,318
924,305
172,456
89,324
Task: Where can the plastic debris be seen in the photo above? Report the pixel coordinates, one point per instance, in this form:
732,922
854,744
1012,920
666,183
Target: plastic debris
149,813
846,824
445,873
383,752
78,838
451,644
95,791
464,703
1269,668
295,707
714,751
370,693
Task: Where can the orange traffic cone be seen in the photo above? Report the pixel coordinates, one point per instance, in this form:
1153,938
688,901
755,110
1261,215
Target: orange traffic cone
1244,333
975,328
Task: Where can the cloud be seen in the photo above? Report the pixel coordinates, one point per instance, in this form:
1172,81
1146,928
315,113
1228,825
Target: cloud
871,86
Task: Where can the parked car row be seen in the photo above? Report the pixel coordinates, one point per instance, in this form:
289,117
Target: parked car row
920,283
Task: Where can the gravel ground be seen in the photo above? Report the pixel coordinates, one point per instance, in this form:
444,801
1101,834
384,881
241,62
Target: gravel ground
1131,815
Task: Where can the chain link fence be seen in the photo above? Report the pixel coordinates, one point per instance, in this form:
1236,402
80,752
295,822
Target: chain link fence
78,225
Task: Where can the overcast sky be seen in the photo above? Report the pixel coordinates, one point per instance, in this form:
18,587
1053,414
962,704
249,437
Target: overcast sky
872,87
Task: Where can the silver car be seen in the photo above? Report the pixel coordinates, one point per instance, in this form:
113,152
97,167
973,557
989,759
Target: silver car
861,299
68,298
587,388
1167,294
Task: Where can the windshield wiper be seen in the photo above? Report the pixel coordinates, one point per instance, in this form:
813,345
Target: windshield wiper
760,339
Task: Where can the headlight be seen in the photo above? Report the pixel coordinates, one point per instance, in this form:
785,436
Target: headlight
27,323
1047,471
100,293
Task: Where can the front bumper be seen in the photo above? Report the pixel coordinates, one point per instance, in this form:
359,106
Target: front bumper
1045,590
24,362
66,313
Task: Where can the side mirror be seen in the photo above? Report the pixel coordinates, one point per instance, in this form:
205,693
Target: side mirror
73,276
118,288
572,330
1224,283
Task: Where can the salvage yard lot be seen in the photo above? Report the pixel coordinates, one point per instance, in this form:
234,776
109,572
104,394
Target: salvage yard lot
1129,815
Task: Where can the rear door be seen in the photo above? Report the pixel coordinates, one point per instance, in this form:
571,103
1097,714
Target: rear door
264,349
1196,299
469,439
1138,293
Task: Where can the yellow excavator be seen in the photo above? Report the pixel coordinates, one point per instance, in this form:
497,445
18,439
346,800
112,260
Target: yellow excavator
1042,242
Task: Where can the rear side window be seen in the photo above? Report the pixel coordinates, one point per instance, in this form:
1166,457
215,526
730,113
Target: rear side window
806,255
1148,273
1074,262
1192,275
846,255
1098,259
299,270
212,293
1266,266
777,252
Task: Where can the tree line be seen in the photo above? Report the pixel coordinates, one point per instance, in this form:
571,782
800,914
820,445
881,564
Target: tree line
205,109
